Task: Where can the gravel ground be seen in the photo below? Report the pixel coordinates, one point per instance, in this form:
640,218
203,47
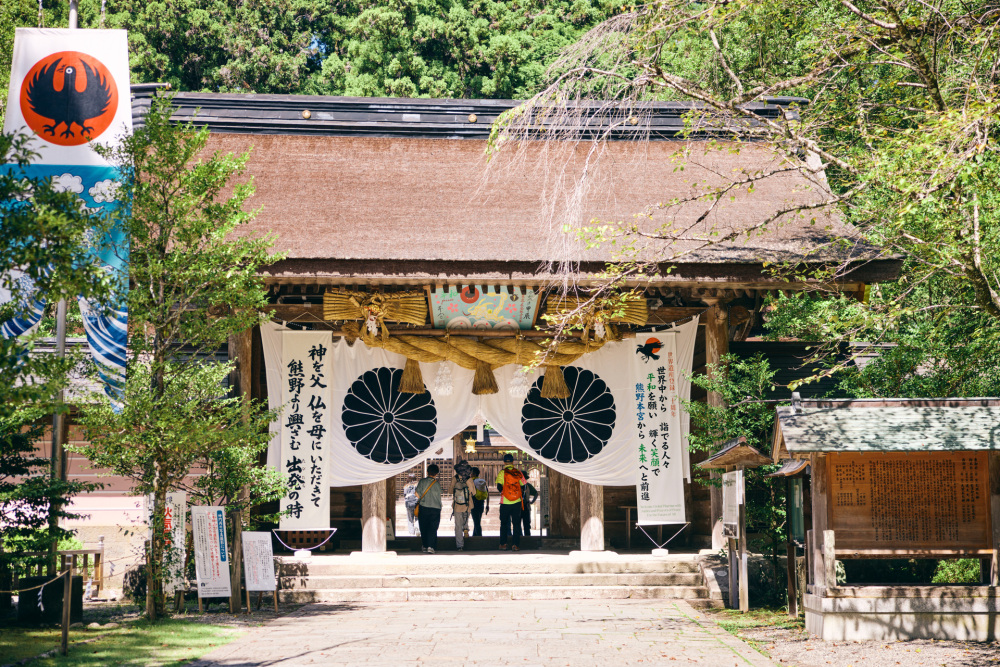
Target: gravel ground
793,647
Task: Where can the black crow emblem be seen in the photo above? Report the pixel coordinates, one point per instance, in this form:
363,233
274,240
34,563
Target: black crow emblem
650,349
69,106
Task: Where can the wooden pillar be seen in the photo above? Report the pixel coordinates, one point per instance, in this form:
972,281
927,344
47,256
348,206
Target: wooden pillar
373,517
716,346
819,519
994,482
591,517
241,354
564,505
390,501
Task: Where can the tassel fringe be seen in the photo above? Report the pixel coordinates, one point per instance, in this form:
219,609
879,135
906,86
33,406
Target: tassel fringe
484,382
412,381
554,383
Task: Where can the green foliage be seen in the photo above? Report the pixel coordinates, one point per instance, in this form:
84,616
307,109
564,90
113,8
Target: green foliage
958,571
195,282
419,48
744,385
29,495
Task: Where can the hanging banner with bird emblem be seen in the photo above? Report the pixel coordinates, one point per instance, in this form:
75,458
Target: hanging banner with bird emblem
69,90
661,384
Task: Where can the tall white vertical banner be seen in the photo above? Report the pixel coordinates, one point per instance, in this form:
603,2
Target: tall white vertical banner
211,560
659,455
175,532
69,91
307,371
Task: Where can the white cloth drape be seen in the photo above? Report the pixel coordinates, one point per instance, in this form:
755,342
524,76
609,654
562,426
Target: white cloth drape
588,436
376,431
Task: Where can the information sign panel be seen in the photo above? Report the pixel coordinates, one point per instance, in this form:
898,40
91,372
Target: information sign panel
210,558
909,501
258,561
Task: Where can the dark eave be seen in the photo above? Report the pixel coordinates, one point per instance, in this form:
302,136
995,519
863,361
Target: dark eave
334,271
404,117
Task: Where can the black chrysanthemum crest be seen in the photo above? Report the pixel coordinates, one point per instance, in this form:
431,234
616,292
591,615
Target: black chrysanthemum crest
384,424
570,430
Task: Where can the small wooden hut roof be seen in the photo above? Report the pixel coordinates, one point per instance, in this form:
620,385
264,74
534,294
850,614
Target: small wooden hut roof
887,425
792,468
735,454
398,191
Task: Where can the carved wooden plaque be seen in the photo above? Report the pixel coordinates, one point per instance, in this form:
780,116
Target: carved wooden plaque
909,502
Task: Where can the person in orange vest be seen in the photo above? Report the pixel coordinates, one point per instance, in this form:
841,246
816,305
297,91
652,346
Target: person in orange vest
509,483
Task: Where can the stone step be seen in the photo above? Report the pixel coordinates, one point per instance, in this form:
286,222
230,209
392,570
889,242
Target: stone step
688,593
473,580
481,564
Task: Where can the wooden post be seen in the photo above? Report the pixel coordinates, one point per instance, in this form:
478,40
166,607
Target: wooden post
390,501
373,517
994,482
248,602
591,517
744,576
734,584
810,551
564,505
67,602
793,585
793,597
716,345
819,518
240,351
829,560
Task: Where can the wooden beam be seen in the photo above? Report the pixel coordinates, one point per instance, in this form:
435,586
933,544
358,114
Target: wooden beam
716,346
820,518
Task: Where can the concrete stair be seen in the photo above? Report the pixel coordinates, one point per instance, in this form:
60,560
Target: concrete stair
494,576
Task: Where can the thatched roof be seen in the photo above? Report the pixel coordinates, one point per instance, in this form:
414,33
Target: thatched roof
374,194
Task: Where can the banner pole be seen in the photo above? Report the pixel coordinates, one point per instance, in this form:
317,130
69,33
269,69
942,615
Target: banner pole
72,14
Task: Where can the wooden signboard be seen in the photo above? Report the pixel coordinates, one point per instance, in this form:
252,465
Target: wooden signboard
932,502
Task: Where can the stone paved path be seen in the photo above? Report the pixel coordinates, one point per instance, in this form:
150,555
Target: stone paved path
577,633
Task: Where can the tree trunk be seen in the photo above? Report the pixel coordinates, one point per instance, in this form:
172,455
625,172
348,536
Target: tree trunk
236,564
155,598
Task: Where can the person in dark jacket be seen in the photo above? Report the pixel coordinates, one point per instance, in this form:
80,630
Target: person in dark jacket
528,498
480,503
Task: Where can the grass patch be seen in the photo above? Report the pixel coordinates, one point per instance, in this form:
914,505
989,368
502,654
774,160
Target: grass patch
734,622
170,642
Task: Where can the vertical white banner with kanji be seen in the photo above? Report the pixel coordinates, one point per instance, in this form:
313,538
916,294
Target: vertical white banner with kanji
307,370
174,532
208,524
660,457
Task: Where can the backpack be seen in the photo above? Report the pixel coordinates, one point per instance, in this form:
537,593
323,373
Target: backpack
481,491
512,483
461,494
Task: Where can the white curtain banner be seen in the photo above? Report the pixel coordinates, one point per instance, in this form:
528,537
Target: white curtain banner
307,371
659,460
686,334
589,436
376,431
211,561
258,562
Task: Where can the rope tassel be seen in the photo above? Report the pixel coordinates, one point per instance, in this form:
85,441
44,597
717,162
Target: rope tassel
412,381
554,383
485,382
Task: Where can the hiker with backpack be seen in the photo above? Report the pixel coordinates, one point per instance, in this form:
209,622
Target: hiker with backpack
509,483
428,509
480,503
461,503
410,499
528,498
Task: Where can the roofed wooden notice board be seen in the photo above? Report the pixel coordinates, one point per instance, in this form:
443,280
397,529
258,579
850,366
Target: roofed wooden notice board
923,501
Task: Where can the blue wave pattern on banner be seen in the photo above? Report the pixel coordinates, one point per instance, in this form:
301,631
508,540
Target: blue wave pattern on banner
30,314
96,187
